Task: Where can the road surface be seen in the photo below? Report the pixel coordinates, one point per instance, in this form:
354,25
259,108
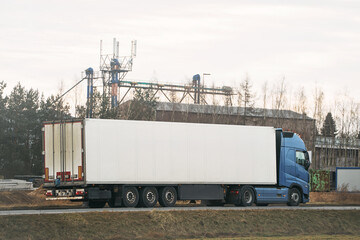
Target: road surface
88,210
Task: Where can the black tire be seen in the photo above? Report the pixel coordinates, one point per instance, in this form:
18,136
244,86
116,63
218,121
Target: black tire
294,197
247,196
167,197
148,197
96,204
130,197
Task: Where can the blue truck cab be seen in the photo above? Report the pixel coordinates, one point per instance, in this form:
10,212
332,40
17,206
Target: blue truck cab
292,172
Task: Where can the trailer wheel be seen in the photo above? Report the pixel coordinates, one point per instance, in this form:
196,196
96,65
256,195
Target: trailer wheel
96,204
148,197
167,197
247,196
294,197
130,197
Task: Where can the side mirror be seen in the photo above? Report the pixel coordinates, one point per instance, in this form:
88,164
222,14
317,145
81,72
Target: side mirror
307,164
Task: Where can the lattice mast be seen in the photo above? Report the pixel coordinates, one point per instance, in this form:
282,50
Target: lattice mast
114,69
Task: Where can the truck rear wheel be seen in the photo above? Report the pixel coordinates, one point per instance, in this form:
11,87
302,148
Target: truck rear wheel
96,204
148,197
247,196
167,197
130,197
294,197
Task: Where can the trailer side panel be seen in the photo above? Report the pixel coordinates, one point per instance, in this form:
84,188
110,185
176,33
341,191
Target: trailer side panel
143,152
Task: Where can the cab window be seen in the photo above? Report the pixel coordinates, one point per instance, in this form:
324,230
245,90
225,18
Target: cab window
300,158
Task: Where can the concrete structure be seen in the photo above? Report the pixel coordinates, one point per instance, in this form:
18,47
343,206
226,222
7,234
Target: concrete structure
14,184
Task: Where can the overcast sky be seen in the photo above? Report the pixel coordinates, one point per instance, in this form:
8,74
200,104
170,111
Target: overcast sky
309,42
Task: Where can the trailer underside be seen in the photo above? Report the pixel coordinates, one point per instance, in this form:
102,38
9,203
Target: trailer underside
167,195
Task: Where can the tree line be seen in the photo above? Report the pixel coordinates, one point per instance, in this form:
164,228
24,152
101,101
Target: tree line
23,111
338,118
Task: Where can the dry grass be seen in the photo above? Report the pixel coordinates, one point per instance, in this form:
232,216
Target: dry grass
36,200
30,199
335,198
315,237
182,225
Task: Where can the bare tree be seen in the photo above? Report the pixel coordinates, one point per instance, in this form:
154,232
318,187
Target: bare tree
300,105
264,98
215,106
246,97
279,95
343,103
279,100
347,115
318,112
173,96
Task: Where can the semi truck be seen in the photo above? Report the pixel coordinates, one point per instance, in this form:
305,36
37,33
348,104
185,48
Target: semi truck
128,163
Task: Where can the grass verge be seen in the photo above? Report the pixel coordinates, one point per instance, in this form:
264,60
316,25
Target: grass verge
182,224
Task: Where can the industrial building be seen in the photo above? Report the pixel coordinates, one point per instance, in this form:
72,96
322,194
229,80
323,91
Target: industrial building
332,152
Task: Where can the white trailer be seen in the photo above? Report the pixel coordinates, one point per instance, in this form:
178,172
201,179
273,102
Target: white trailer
101,159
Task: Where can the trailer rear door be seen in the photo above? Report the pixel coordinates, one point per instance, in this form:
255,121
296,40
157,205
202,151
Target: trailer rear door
63,152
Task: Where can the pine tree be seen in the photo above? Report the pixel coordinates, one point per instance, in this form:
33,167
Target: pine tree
3,127
22,114
21,130
329,126
143,105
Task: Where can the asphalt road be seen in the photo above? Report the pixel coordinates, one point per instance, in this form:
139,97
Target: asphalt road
88,210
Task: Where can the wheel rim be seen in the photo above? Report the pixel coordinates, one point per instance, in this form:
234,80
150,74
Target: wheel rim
295,197
130,196
169,196
247,196
150,196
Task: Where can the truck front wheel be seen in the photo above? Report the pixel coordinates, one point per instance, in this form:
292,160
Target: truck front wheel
130,197
294,197
247,196
167,197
